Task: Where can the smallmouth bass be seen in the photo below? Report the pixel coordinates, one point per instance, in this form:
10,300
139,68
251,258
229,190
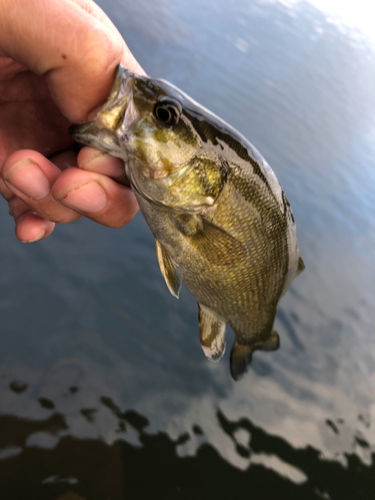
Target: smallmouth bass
221,221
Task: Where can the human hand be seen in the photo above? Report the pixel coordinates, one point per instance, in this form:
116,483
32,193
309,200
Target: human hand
54,71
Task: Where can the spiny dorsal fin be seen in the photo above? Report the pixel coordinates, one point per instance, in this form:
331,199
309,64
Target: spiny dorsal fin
301,266
241,355
171,272
212,330
216,245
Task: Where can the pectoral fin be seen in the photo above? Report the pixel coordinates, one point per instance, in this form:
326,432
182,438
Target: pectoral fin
171,272
241,355
212,330
215,244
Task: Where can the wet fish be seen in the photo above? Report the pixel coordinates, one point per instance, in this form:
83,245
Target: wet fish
220,218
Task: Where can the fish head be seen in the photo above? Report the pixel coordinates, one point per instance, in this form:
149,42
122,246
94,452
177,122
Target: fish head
151,125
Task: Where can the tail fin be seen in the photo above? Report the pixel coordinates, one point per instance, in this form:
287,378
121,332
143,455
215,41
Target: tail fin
241,355
240,358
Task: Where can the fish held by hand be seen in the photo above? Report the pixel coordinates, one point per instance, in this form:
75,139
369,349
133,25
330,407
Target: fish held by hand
221,221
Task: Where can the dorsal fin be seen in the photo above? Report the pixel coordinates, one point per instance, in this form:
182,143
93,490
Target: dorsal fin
171,271
301,266
212,330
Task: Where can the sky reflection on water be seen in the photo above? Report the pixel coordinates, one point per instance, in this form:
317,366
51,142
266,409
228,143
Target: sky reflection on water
96,314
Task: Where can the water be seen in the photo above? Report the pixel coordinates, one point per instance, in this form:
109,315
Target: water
104,390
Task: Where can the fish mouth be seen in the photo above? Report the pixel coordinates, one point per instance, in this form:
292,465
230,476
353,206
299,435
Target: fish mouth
108,130
81,133
94,135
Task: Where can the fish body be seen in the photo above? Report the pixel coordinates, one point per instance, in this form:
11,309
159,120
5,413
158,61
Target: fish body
221,221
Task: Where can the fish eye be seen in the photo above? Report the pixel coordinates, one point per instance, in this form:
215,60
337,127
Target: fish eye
167,113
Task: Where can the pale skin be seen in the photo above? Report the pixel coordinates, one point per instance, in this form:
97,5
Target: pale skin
57,66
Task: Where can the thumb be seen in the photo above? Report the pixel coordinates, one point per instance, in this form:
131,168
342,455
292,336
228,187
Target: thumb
72,43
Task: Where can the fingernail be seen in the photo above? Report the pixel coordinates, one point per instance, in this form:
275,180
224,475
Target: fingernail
89,197
39,237
28,178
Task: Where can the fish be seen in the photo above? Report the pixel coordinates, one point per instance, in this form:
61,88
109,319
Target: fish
221,221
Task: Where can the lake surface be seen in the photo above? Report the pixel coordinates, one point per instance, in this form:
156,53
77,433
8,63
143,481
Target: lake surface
104,390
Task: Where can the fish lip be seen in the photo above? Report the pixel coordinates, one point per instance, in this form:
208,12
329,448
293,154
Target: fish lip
77,131
109,130
90,134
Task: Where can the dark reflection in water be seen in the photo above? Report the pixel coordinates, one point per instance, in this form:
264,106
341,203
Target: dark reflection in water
76,469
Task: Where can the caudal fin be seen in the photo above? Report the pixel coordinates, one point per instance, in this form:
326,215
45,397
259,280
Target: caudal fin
240,358
241,355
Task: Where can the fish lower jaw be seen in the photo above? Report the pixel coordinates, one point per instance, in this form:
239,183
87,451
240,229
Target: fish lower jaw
127,167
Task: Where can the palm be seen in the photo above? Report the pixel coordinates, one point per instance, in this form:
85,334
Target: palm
29,119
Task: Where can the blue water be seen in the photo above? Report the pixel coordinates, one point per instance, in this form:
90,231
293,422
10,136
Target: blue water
104,390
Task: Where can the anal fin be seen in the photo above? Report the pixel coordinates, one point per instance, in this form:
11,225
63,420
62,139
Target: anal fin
212,330
171,272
